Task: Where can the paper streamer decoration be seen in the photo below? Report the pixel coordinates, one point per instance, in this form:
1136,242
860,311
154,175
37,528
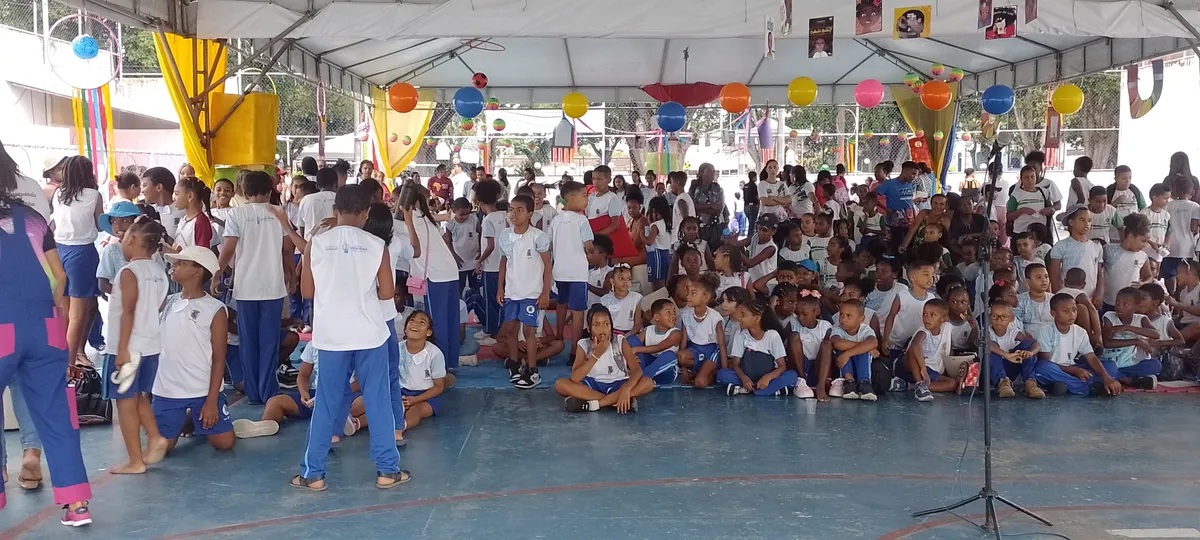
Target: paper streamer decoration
1138,107
92,110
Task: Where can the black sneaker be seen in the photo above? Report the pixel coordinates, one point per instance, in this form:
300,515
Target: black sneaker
287,375
528,378
865,392
1098,390
575,405
1058,388
514,369
1145,383
785,391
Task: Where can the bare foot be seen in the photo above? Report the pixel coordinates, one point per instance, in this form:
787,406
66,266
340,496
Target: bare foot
5,476
335,439
155,450
128,468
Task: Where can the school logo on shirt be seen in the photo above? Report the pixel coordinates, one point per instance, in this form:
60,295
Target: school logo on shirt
529,254
195,314
347,248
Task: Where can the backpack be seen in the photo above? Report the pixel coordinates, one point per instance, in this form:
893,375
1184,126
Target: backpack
1008,226
91,406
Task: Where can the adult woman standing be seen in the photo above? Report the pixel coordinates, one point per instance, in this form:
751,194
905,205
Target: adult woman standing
1181,165
33,351
773,195
803,192
74,209
709,198
750,195
366,169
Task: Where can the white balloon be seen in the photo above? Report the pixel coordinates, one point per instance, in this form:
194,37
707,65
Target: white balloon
537,165
1004,137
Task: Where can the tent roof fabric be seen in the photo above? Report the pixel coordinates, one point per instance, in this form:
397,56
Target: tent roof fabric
609,49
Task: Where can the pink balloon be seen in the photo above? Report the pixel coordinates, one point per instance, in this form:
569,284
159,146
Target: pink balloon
868,93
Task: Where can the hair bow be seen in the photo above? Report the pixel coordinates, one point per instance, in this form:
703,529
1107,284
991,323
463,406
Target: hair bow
999,282
622,265
810,292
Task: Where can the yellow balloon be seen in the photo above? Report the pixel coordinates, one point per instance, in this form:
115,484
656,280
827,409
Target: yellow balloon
1067,99
575,105
802,91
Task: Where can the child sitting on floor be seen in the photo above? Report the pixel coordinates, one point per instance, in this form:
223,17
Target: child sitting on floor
1187,305
705,334
657,345
548,347
726,303
605,373
727,261
622,302
1127,336
758,359
854,290
924,361
1062,346
855,342
423,374
808,346
1033,305
1153,296
1013,353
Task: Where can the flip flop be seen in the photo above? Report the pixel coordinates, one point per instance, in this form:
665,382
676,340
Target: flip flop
401,477
30,484
300,482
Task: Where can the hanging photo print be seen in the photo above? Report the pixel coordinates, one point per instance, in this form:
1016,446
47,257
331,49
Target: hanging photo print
1004,23
785,16
1030,11
769,38
820,37
868,17
985,14
911,22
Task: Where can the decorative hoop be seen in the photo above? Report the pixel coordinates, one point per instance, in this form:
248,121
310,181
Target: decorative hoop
53,48
483,44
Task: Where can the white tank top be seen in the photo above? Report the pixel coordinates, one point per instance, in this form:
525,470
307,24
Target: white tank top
908,319
622,310
185,364
596,279
152,290
610,365
654,338
347,313
1190,298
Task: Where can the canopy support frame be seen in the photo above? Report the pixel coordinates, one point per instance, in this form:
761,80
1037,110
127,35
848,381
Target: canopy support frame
887,55
966,50
1170,6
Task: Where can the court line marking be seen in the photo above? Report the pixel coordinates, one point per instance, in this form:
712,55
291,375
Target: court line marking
1155,533
901,534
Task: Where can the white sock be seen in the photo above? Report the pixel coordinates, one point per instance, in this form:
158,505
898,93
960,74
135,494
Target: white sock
593,405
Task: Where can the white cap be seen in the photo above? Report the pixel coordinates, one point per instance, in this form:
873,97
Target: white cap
199,255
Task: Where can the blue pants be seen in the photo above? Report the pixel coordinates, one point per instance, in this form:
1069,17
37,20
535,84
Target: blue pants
810,372
468,281
258,333
786,379
491,308
299,307
33,356
393,352
999,368
233,364
29,436
1145,368
371,366
662,367
95,337
859,367
441,301
1046,372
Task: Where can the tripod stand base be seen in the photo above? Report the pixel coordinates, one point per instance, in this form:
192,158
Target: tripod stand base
989,498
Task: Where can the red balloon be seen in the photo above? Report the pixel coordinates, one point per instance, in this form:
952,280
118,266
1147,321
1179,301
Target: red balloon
402,97
936,95
735,98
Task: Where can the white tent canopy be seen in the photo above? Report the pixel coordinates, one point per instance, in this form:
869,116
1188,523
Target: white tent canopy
608,49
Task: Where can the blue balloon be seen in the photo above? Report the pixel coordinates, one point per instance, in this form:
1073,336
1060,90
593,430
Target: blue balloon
85,47
671,116
998,99
468,102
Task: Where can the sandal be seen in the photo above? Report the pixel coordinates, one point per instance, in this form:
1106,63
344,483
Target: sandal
30,484
300,482
397,478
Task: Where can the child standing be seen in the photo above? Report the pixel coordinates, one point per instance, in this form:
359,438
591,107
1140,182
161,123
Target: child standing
462,232
682,205
158,189
657,345
133,344
264,273
658,242
316,208
544,213
1077,251
1123,262
571,240
192,199
1106,224
605,372
1185,222
1013,353
494,224
1026,246
758,359
1122,194
422,370
1062,347
924,361
191,367
1159,220
905,316
347,273
76,205
599,281
855,343
705,334
1127,346
524,283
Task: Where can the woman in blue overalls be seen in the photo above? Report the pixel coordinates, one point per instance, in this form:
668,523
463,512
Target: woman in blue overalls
33,342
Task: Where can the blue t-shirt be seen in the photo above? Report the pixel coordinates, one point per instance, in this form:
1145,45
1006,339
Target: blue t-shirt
899,198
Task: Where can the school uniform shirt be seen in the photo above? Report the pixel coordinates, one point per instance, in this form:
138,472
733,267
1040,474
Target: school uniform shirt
811,338
525,271
736,280
219,215
960,336
653,337
544,216
702,331
610,365
873,224
700,244
436,263
934,349
465,237
1128,355
770,344
257,264
909,319
622,309
677,213
1085,255
152,289
112,260
1182,242
29,191
767,265
1126,202
802,199
605,204
347,315
863,333
1190,298
569,231
1121,269
400,238
795,255
197,231
309,356
1064,348
75,221
881,301
494,224
169,216
1035,200
1105,225
1033,314
185,364
1160,227
418,370
818,249
1073,198
777,188
662,239
1011,337
828,273
596,278
314,208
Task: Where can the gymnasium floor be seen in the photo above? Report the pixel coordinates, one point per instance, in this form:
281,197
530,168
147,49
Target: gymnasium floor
691,464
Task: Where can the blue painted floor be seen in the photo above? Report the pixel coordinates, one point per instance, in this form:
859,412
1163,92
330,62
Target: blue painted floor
505,464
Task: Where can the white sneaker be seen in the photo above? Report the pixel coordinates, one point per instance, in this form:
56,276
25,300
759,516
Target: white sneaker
470,360
480,335
249,429
803,391
487,341
837,388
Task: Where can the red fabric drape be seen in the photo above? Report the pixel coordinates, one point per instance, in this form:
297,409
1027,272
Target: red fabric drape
688,95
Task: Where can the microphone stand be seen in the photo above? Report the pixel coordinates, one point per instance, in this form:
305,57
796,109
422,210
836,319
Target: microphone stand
987,493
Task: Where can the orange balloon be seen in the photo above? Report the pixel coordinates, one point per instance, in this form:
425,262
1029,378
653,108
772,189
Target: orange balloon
936,95
402,97
735,98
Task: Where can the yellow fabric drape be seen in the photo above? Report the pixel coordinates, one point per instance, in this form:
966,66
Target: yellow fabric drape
920,118
190,56
385,122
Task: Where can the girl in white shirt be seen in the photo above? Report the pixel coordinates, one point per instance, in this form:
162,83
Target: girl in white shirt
658,242
606,373
74,209
437,268
624,305
758,358
423,374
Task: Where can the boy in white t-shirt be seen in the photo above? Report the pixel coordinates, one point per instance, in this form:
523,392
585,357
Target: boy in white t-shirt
494,225
855,343
1123,262
1159,221
1106,223
264,272
1185,221
571,240
191,367
462,232
1063,345
316,208
924,361
525,283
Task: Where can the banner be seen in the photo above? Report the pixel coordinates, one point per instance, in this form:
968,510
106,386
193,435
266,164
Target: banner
911,22
820,37
1004,23
769,38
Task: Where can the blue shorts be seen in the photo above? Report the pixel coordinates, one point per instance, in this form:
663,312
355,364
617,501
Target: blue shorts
1169,267
143,382
169,414
525,311
306,412
433,402
902,372
658,262
605,388
80,264
704,353
574,294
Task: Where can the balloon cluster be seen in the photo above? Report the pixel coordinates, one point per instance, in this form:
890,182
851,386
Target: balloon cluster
936,94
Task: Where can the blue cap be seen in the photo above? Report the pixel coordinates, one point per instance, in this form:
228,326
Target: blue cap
122,209
809,264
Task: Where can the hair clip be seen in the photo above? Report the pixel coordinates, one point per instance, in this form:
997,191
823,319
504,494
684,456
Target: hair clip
999,282
810,292
622,265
